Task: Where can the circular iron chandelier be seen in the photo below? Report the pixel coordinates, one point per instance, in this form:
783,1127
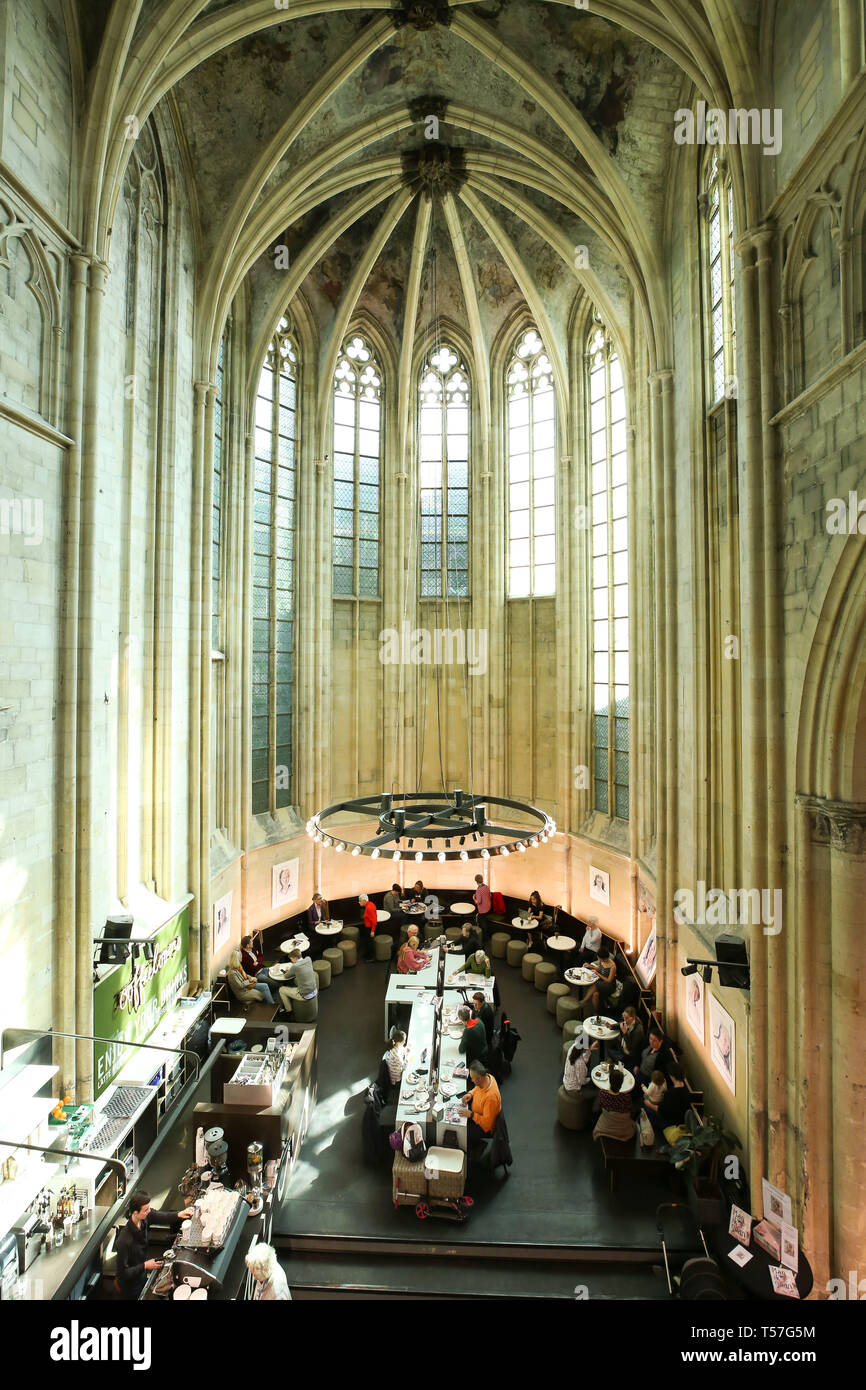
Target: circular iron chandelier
449,825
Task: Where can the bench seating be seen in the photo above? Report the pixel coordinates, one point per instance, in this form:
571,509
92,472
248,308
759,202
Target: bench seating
622,1153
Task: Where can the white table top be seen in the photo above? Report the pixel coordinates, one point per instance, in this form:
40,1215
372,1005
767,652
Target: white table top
295,943
522,926
415,909
382,915
463,909
418,1036
561,943
608,1030
599,1076
580,976
228,1026
329,928
422,979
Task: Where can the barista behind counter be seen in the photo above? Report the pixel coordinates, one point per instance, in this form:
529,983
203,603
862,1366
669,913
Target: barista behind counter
133,1266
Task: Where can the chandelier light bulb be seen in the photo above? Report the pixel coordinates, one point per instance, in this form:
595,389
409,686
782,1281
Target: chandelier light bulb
318,838
441,856
374,853
339,847
463,854
396,856
522,847
503,849
418,857
328,843
485,854
356,851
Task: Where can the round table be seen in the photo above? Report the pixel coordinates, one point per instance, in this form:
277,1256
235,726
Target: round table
329,928
561,943
295,943
600,1077
579,975
382,915
524,926
605,1031
755,1276
463,909
414,909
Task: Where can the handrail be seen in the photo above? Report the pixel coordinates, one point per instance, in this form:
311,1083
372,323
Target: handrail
71,1153
92,1037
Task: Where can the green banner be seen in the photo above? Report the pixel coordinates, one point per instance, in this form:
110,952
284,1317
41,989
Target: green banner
129,1003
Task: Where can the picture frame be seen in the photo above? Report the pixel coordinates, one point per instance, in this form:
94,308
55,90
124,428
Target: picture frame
776,1204
694,1005
222,921
284,883
645,965
599,885
723,1044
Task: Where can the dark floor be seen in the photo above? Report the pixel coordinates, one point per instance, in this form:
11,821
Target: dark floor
557,1192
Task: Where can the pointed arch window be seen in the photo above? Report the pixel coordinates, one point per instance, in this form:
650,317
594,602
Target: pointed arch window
610,597
531,469
276,439
718,205
357,469
216,520
443,433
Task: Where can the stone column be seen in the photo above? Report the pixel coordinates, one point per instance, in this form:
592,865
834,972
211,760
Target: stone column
850,40
195,830
664,506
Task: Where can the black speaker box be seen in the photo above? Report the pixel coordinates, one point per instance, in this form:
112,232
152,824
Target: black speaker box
734,962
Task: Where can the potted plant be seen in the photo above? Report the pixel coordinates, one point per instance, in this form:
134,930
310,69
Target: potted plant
698,1154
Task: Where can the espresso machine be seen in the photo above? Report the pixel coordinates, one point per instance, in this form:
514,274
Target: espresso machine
255,1166
217,1153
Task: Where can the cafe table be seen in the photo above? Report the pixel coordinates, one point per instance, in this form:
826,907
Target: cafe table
404,989
420,1035
329,928
754,1276
561,943
600,1076
605,1029
463,909
579,975
520,925
450,1057
295,943
382,915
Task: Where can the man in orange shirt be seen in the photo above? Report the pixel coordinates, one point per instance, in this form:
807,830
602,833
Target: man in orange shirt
368,926
485,1104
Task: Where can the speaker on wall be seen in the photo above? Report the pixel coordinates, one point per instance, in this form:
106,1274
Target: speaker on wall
733,962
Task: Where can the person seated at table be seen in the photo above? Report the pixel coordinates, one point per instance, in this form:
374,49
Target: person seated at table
575,1076
253,957
271,1283
655,1091
605,981
475,964
483,903
473,1043
468,942
397,1056
317,912
541,919
629,1048
485,1104
590,942
391,903
671,1109
368,926
656,1056
484,1011
246,987
409,958
615,1120
418,893
304,984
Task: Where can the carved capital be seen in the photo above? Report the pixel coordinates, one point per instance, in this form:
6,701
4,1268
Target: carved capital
841,824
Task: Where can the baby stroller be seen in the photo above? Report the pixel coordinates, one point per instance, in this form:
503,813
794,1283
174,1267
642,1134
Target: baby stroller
699,1277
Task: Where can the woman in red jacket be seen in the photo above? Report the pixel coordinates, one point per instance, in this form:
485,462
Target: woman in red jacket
368,926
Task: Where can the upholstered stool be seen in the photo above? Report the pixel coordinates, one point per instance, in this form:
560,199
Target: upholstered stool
431,930
573,1111
554,994
382,946
305,1010
544,975
499,944
567,1010
349,934
323,973
349,951
571,1027
528,964
453,933
515,951
334,956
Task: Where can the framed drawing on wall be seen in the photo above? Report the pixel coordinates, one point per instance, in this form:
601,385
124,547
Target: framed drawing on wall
694,989
222,922
645,965
723,1044
284,883
599,885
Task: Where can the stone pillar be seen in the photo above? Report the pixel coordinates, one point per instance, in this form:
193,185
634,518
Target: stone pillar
661,422
850,40
195,830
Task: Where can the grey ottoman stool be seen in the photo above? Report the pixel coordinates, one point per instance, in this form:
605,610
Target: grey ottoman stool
499,944
349,952
515,951
571,1028
305,1010
431,930
528,964
554,994
382,946
567,1010
323,973
335,958
573,1111
453,933
544,975
349,934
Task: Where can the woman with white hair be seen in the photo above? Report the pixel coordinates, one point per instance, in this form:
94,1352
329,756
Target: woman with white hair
271,1282
368,926
246,987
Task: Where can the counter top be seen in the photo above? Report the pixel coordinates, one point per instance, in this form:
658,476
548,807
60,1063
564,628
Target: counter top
144,1063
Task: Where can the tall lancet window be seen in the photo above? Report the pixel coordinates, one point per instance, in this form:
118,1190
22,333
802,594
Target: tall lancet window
273,575
216,520
531,482
357,455
718,205
609,492
443,432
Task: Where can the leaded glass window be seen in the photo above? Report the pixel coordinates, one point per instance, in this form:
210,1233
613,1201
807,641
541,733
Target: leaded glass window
216,517
610,646
718,204
357,455
531,470
443,432
273,573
